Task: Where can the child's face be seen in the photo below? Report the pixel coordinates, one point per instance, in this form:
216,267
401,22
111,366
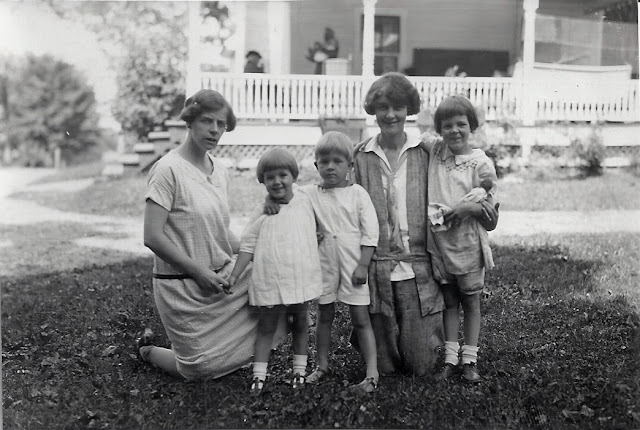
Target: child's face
455,131
390,118
279,184
333,168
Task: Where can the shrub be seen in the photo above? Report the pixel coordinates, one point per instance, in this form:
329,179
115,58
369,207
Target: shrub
589,153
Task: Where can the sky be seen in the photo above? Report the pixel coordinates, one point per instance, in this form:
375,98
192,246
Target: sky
31,26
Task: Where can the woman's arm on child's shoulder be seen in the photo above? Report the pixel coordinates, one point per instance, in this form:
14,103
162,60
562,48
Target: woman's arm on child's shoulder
428,140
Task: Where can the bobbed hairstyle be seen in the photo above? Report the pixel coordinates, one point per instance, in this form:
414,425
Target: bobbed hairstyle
452,106
334,141
276,158
207,101
397,88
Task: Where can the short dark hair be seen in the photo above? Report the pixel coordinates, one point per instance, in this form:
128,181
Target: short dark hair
207,101
334,141
397,88
276,158
452,106
256,53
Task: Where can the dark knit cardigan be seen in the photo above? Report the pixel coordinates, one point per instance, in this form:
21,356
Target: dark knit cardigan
368,173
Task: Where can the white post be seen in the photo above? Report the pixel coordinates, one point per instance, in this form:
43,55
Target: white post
528,59
368,37
193,83
238,12
368,49
278,19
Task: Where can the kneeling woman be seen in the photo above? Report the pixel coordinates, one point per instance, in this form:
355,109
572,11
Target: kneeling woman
186,225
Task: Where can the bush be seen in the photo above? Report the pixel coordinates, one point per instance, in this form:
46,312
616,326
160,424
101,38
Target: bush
49,105
589,153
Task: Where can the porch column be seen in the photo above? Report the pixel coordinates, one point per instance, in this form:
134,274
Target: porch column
279,24
238,12
528,59
368,37
193,56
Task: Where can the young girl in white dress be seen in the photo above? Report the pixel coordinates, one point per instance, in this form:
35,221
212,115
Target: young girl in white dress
286,266
459,175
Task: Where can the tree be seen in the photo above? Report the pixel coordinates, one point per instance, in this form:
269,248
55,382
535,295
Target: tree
146,42
50,105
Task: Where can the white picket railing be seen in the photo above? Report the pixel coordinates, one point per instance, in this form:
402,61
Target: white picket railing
292,97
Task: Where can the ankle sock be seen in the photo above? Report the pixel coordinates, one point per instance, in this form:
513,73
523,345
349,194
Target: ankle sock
300,364
451,350
260,370
469,354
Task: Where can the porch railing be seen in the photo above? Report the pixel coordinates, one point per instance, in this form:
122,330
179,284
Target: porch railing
298,97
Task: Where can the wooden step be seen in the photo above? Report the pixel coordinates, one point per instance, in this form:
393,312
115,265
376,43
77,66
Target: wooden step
144,148
154,136
130,159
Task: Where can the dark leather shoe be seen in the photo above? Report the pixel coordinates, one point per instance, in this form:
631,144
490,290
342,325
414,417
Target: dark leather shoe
448,371
470,373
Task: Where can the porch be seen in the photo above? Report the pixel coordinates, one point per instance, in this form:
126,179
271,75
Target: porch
311,97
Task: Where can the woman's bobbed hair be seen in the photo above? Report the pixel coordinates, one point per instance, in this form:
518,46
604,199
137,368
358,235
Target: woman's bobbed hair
276,158
207,101
335,141
452,106
397,88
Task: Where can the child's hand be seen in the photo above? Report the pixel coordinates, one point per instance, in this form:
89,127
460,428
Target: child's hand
460,212
271,207
210,282
319,236
231,281
359,276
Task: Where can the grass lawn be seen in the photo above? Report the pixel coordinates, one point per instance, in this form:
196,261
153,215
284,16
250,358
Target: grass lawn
560,349
560,343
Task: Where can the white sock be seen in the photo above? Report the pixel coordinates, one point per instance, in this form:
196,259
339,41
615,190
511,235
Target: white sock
451,353
260,370
469,354
300,364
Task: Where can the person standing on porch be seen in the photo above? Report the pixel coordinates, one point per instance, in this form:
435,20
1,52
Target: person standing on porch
406,301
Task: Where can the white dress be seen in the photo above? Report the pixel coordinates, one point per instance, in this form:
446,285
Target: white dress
286,265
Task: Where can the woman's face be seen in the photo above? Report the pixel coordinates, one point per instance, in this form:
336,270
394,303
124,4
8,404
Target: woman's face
207,129
279,184
390,118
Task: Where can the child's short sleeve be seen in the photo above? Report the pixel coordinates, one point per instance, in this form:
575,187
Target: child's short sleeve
161,186
368,218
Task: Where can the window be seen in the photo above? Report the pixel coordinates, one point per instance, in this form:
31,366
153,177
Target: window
386,43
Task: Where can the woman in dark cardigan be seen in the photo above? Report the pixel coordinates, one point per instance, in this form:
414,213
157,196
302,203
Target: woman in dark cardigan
406,303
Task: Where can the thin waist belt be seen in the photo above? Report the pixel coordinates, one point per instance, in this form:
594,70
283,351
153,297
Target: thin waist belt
409,258
159,276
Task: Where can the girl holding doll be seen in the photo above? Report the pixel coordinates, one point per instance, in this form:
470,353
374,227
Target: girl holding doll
459,177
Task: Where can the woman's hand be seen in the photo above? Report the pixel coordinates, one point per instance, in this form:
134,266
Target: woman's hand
359,276
210,282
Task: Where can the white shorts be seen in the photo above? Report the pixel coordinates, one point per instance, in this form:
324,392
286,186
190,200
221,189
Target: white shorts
338,263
